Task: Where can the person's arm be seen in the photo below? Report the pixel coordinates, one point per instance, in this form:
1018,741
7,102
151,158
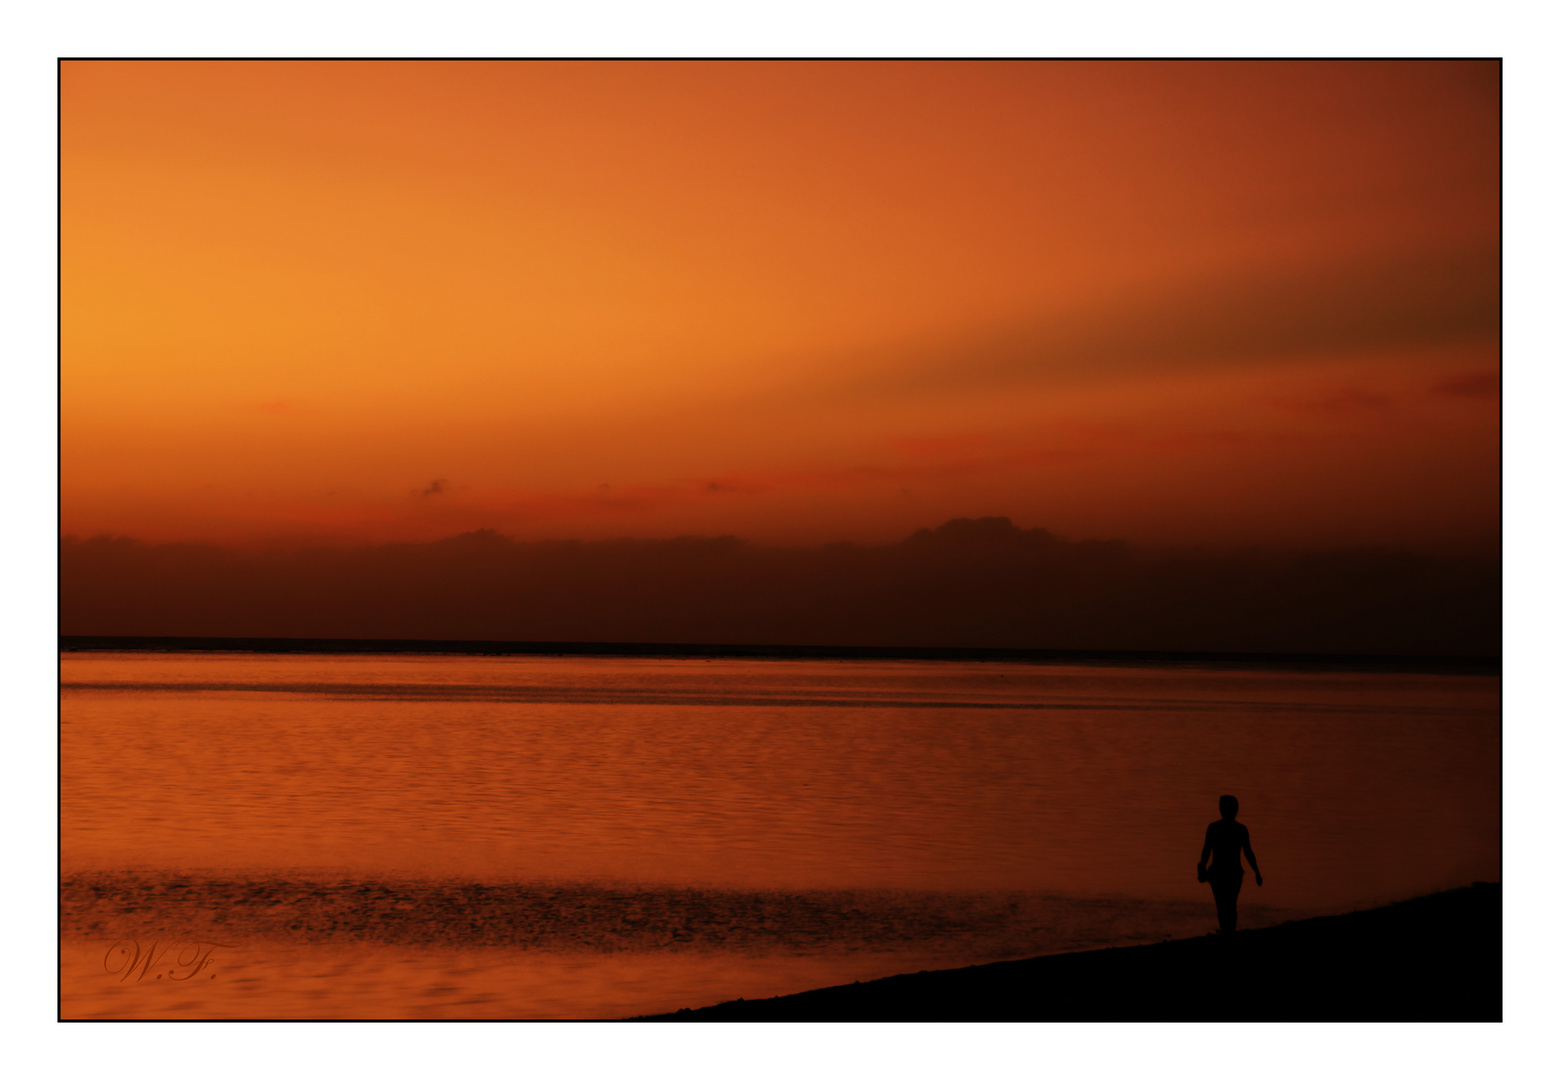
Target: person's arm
1245,843
1202,861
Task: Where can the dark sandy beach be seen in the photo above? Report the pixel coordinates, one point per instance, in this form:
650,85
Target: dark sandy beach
1435,958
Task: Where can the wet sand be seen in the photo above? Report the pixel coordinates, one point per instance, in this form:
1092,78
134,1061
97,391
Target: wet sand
1435,958
240,947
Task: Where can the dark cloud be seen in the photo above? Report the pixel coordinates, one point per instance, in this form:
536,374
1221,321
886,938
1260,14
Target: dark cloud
1344,401
434,488
1474,384
1260,317
971,583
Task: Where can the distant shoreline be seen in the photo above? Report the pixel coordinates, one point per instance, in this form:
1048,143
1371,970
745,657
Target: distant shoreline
1451,665
1436,958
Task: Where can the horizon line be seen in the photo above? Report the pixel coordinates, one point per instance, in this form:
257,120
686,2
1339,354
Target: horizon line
1470,665
1483,549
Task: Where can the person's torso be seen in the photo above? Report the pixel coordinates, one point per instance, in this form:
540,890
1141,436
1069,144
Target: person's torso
1227,837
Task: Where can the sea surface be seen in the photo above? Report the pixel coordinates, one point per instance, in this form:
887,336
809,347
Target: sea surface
249,835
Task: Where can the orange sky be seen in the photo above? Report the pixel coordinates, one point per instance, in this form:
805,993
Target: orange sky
1188,302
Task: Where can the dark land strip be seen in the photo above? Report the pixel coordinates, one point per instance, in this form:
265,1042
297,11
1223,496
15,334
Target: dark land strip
1478,665
1436,958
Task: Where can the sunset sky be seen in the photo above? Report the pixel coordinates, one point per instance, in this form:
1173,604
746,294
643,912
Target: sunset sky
1215,303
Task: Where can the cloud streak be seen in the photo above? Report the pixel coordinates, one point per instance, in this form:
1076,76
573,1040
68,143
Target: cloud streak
1264,317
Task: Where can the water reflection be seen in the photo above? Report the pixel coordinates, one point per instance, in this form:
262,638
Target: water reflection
986,798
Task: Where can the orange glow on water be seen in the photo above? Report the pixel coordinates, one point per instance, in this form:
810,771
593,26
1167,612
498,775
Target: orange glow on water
563,837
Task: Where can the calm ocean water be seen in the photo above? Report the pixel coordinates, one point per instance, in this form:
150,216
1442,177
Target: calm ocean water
544,837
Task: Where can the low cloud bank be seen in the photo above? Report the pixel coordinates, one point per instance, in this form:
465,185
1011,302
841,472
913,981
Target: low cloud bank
969,583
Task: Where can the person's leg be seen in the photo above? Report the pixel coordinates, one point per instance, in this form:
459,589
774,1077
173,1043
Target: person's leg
1232,893
1225,890
1221,900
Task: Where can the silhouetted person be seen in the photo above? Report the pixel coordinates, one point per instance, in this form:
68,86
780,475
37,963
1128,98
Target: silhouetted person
1225,840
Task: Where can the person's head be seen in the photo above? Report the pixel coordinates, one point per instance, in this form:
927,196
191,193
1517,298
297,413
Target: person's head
1229,806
